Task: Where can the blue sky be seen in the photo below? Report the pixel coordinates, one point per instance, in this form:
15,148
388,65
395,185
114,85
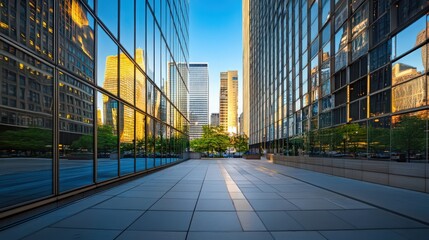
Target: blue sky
215,38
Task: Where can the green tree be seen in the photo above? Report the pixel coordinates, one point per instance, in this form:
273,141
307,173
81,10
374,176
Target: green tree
240,142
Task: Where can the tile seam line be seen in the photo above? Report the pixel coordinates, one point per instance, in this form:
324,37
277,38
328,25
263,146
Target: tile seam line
196,203
354,198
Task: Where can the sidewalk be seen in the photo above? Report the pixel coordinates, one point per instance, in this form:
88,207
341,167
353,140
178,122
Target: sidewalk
237,199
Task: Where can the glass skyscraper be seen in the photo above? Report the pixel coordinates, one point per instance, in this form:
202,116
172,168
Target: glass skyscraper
91,92
341,79
198,98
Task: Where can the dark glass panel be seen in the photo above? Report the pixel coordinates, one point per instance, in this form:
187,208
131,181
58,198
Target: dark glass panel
107,137
127,139
76,39
76,113
108,13
107,62
379,138
409,137
25,127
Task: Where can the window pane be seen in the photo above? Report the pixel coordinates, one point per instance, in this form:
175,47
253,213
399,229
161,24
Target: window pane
409,137
126,138
141,34
409,67
107,137
380,103
126,78
140,90
107,62
150,142
31,25
127,25
360,20
76,111
379,138
409,95
108,13
140,141
25,127
76,56
408,38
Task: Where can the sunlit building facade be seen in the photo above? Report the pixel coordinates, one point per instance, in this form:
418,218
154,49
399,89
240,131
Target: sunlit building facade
341,79
228,101
91,93
198,98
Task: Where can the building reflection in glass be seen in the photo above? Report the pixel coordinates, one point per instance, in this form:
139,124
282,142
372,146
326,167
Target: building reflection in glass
25,127
76,109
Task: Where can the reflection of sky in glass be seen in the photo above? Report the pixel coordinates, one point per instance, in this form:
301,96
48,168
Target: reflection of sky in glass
406,39
108,13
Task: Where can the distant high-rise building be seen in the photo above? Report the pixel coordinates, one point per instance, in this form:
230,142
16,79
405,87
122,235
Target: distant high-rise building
214,119
198,98
240,124
228,101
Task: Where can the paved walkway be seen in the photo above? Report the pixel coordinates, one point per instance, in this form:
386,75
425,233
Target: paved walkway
237,199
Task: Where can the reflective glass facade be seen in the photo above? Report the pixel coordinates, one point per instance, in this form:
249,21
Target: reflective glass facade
339,78
89,92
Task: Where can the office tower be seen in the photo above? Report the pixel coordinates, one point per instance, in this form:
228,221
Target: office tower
339,79
198,98
85,91
228,101
214,119
246,107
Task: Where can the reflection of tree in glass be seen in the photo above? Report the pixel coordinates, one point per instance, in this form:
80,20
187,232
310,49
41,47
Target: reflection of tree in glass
84,142
106,139
408,135
30,141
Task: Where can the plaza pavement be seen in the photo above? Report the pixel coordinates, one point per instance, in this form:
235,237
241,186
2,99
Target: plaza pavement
236,199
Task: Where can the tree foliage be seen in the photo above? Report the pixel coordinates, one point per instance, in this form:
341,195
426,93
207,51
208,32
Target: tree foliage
216,140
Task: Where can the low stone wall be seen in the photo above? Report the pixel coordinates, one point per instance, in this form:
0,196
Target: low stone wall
413,176
252,156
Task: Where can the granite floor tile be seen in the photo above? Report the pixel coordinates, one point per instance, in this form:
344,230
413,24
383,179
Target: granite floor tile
100,219
215,222
375,218
271,205
362,234
163,221
298,235
150,235
130,203
215,205
319,220
250,221
73,233
165,204
279,221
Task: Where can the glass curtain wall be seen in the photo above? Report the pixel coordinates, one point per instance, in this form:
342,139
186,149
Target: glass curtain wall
90,92
349,77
